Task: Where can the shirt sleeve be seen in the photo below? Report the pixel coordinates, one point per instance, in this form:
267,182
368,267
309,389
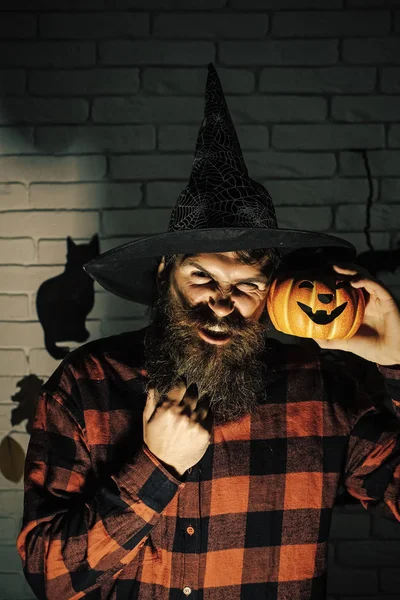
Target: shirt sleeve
372,470
77,532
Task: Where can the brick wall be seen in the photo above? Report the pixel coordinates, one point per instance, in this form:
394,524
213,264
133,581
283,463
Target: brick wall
100,105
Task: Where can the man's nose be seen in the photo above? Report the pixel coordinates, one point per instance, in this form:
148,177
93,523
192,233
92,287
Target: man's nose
221,305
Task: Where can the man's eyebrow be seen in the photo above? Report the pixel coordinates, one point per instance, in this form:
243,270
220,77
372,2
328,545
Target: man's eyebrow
255,279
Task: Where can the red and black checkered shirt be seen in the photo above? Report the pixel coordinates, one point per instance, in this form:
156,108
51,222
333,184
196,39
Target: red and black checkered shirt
104,519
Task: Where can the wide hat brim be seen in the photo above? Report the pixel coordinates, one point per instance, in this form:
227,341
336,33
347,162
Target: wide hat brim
129,270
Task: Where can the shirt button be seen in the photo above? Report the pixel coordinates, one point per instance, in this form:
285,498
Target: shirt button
190,530
187,590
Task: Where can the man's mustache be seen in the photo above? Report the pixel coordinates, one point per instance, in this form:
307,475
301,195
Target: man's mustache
202,316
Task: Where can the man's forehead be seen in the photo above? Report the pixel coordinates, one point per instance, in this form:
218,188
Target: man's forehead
228,261
218,256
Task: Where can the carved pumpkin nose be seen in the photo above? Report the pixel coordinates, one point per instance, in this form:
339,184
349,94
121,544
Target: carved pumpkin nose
325,298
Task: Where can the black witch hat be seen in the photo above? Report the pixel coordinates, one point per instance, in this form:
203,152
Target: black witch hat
221,209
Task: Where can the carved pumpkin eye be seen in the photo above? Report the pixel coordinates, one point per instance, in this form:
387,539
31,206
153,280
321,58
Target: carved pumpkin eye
306,284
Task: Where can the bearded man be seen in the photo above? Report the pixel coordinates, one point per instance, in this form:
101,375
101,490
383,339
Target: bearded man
200,457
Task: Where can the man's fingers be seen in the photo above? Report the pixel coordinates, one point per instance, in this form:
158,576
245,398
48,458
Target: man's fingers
190,399
151,404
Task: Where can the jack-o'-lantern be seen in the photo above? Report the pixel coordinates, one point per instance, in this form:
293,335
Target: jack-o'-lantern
315,304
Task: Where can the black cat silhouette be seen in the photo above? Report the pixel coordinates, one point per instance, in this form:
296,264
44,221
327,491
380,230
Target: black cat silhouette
63,302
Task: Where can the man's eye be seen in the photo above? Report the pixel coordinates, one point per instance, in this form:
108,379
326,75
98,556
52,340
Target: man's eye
246,286
200,274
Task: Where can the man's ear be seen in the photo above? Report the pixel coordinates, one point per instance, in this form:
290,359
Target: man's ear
160,270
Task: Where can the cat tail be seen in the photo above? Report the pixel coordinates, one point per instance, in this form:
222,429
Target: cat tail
55,351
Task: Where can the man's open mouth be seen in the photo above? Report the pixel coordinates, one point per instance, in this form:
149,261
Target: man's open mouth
214,335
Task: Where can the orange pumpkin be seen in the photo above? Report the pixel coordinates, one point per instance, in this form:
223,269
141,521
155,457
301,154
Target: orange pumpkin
317,305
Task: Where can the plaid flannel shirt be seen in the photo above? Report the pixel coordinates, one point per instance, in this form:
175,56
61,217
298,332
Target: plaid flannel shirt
104,519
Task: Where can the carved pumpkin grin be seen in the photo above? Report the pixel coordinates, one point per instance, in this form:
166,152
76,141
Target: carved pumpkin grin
321,317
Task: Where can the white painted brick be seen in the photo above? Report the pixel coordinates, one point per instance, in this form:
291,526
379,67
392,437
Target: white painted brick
134,222
290,164
52,168
192,81
367,108
94,26
147,109
85,195
390,190
16,140
364,3
384,217
45,110
115,327
12,82
154,52
282,4
383,50
84,82
16,251
14,306
17,26
211,25
380,240
12,585
163,193
327,136
96,138
10,560
390,580
110,306
20,333
382,162
13,196
394,136
52,252
261,109
25,279
11,503
350,526
49,223
12,362
170,4
41,363
45,5
279,52
163,166
318,191
183,137
107,243
47,54
339,80
341,580
330,23
315,218
390,80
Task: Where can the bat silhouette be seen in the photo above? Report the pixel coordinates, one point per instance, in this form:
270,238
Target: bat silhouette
377,261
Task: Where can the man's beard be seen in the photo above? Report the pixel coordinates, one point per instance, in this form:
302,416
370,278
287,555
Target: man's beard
230,378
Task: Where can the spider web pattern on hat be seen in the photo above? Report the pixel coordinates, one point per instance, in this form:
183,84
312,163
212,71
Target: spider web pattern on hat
220,192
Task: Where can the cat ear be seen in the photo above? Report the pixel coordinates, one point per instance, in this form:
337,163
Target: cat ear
94,243
70,243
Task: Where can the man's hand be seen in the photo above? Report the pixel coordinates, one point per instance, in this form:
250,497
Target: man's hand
175,428
378,338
